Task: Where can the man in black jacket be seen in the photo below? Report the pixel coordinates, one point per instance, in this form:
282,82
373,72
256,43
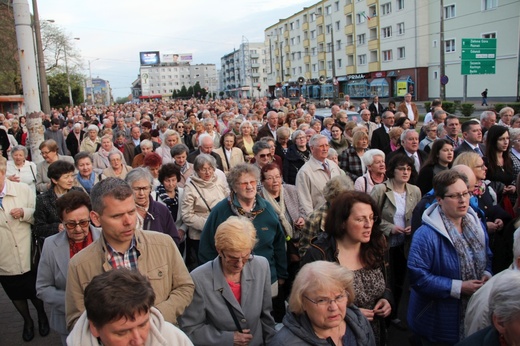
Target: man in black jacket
206,147
380,137
375,108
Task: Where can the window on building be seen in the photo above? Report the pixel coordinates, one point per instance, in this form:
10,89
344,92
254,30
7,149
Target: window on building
329,65
313,17
449,11
292,41
362,59
490,35
305,20
360,18
400,28
338,44
313,34
361,39
299,70
374,56
337,25
400,4
329,47
373,34
348,19
350,40
322,64
298,39
350,60
336,6
294,71
320,29
299,55
372,11
386,32
313,51
305,35
401,53
449,46
339,63
489,4
328,28
307,68
328,10
291,25
387,55
386,8
297,25
314,67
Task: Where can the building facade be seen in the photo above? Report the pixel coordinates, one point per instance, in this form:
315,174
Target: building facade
389,47
243,71
163,78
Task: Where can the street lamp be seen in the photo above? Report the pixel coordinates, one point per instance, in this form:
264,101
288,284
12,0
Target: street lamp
44,92
71,102
332,52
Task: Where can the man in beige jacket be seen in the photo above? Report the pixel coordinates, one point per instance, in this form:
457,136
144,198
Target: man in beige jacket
122,246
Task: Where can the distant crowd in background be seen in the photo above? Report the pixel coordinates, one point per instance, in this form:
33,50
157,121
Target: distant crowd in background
263,221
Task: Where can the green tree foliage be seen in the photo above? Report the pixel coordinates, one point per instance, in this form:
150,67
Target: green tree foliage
59,92
183,92
10,78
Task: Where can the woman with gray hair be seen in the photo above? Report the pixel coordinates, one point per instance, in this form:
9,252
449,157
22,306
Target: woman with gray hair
209,127
297,154
91,142
504,306
171,138
146,146
117,168
202,192
312,319
19,169
153,216
374,161
245,201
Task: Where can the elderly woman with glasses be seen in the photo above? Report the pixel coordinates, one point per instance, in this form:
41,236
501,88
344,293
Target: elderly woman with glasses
74,212
322,310
232,300
449,260
49,151
297,154
353,239
203,190
153,216
244,200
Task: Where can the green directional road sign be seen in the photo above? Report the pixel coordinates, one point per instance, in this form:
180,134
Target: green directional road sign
478,56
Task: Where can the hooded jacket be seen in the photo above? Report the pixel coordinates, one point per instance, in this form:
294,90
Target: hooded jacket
297,330
161,332
434,269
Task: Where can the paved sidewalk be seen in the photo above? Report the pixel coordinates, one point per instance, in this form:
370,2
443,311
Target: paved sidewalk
11,326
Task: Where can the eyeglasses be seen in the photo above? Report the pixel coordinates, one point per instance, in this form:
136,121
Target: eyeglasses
482,166
459,196
271,178
235,260
141,189
404,168
325,302
263,156
44,152
365,220
73,224
206,170
245,184
300,137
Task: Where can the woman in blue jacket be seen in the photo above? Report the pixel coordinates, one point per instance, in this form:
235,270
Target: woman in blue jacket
449,260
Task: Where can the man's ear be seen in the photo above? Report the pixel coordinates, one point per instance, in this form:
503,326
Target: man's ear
94,217
517,262
93,329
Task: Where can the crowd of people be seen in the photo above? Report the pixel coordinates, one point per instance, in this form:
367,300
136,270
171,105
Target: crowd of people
241,215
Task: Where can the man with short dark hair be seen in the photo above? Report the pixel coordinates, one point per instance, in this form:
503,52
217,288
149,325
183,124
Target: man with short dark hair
452,127
472,134
375,108
119,310
53,132
124,245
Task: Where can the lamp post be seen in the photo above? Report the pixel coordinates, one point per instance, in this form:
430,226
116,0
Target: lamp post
91,84
44,91
71,101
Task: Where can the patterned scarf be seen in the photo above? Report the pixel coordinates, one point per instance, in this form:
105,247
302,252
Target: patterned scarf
171,203
281,211
480,188
304,155
236,209
471,253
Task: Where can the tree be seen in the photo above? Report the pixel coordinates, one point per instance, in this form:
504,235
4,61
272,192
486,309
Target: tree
183,92
10,78
58,89
55,42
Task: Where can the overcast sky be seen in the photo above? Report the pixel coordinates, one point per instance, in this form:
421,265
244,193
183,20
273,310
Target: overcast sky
115,31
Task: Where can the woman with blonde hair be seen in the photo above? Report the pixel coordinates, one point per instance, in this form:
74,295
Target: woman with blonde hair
350,159
232,300
322,310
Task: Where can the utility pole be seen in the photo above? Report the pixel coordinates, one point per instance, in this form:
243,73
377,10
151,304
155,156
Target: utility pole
24,38
442,94
44,91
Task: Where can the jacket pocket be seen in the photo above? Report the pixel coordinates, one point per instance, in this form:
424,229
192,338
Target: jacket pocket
425,309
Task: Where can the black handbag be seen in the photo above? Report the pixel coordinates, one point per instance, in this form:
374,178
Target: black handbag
36,250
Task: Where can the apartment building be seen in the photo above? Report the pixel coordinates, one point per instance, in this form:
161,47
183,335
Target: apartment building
243,71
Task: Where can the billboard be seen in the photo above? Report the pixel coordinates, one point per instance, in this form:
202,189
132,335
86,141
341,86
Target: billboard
149,58
177,58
